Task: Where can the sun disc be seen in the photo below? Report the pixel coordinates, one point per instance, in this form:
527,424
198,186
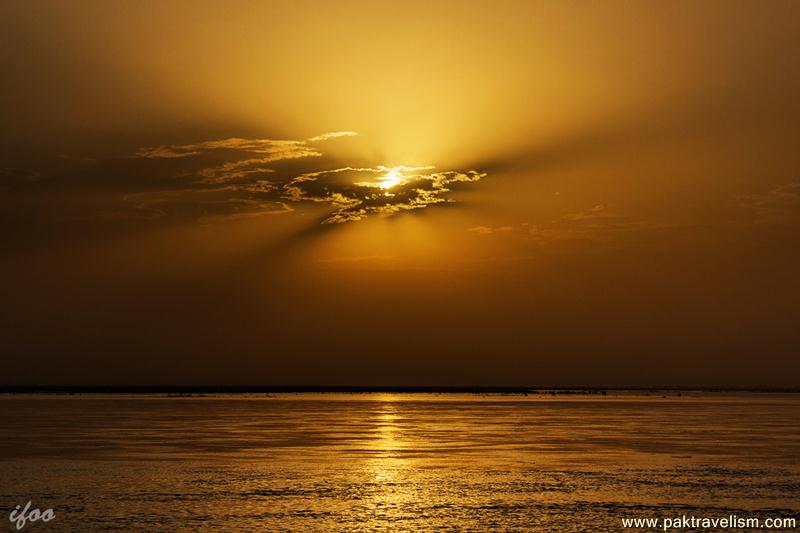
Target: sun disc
392,178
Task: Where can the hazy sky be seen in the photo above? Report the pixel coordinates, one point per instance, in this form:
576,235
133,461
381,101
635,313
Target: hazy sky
400,193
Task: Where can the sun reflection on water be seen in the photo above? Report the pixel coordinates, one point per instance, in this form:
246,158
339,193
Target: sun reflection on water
390,469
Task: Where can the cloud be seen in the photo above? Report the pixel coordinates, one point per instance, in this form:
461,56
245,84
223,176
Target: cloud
596,223
357,193
205,205
356,259
237,170
10,177
776,205
275,149
331,135
486,230
236,177
593,213
253,183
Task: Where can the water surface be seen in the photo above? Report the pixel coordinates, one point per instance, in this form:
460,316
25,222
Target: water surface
389,462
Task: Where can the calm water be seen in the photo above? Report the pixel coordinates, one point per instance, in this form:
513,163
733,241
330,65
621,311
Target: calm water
389,462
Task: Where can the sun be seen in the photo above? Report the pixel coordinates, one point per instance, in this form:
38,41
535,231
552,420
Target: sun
392,178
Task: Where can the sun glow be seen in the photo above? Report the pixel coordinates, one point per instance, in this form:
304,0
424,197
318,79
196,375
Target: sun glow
392,178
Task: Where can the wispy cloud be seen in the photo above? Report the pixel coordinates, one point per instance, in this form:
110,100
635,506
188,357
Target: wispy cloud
205,205
778,204
594,223
9,176
331,135
356,259
275,149
487,230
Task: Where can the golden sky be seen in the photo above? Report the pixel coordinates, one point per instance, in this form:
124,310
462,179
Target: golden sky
400,193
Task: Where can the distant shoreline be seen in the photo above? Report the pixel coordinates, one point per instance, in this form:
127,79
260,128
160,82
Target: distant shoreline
232,389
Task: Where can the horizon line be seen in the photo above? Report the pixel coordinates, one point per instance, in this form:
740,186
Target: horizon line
145,389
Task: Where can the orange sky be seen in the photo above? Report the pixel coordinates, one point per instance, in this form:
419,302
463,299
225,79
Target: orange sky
400,193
